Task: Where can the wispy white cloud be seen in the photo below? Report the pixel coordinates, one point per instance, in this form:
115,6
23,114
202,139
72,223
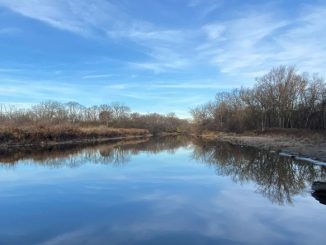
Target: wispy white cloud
97,76
33,91
210,52
240,43
245,43
117,86
79,235
252,44
206,7
191,84
305,43
148,33
103,19
156,96
78,16
165,50
162,60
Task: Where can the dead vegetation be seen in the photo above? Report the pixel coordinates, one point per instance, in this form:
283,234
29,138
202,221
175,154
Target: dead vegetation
52,121
283,111
71,115
58,133
282,98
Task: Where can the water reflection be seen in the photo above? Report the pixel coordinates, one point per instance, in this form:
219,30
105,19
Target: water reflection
276,177
168,190
115,152
319,191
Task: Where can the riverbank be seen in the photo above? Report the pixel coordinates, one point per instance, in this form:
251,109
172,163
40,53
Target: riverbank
294,143
57,151
54,135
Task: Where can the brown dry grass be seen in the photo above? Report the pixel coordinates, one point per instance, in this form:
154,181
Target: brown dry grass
45,133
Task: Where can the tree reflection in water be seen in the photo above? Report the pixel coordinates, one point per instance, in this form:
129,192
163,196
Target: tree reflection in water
277,178
116,152
319,191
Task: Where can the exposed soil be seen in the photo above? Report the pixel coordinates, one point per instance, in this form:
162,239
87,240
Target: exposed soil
295,143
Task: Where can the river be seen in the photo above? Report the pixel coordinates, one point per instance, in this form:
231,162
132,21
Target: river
166,190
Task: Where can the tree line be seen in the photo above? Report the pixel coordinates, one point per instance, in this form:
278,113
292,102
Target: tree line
282,98
115,115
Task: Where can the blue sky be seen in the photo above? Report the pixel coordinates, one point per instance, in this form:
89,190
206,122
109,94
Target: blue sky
152,55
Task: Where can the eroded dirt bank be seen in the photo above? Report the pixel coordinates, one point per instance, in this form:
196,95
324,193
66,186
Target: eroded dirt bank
296,143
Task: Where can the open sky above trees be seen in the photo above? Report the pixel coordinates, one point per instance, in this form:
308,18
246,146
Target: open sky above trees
153,55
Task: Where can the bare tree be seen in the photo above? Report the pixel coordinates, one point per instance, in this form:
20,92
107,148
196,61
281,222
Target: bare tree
281,98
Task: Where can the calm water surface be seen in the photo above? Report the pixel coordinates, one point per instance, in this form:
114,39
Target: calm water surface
171,190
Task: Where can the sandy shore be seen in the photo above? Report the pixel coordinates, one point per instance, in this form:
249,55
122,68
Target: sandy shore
299,144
